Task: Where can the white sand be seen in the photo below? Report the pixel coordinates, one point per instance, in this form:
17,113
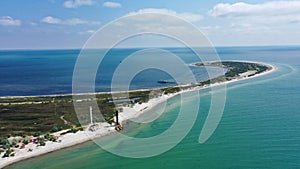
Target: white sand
72,139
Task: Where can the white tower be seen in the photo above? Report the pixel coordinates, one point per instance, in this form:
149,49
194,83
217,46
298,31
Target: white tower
91,114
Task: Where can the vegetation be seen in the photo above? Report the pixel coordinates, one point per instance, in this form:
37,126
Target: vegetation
50,137
236,68
8,152
171,90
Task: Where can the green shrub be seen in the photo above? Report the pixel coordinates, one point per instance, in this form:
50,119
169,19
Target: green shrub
3,141
25,141
37,134
56,128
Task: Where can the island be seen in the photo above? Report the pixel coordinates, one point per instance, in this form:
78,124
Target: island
35,125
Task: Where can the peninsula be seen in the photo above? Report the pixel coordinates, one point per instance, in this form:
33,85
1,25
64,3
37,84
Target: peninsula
35,125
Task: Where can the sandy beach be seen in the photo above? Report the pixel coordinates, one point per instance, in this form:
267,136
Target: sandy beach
103,129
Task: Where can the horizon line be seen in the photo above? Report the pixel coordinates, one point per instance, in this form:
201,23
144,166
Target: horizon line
219,46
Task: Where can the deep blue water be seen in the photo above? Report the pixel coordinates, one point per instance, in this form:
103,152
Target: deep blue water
45,72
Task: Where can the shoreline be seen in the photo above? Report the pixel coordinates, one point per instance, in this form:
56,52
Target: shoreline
104,129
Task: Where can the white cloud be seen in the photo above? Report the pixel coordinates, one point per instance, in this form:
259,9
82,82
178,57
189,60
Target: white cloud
88,32
273,8
33,24
191,17
73,21
258,19
78,3
266,23
51,20
9,21
112,5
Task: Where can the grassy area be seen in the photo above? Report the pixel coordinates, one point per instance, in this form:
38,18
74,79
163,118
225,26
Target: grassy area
28,115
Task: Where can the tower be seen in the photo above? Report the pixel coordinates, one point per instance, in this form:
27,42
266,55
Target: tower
91,114
117,117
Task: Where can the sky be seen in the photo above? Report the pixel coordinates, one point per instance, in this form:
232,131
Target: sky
68,24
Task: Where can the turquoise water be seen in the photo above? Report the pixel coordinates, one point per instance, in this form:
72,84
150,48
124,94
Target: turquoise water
259,128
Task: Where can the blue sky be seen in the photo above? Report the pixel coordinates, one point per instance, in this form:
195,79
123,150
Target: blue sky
46,24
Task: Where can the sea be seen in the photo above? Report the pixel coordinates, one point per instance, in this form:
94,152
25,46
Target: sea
50,72
259,127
